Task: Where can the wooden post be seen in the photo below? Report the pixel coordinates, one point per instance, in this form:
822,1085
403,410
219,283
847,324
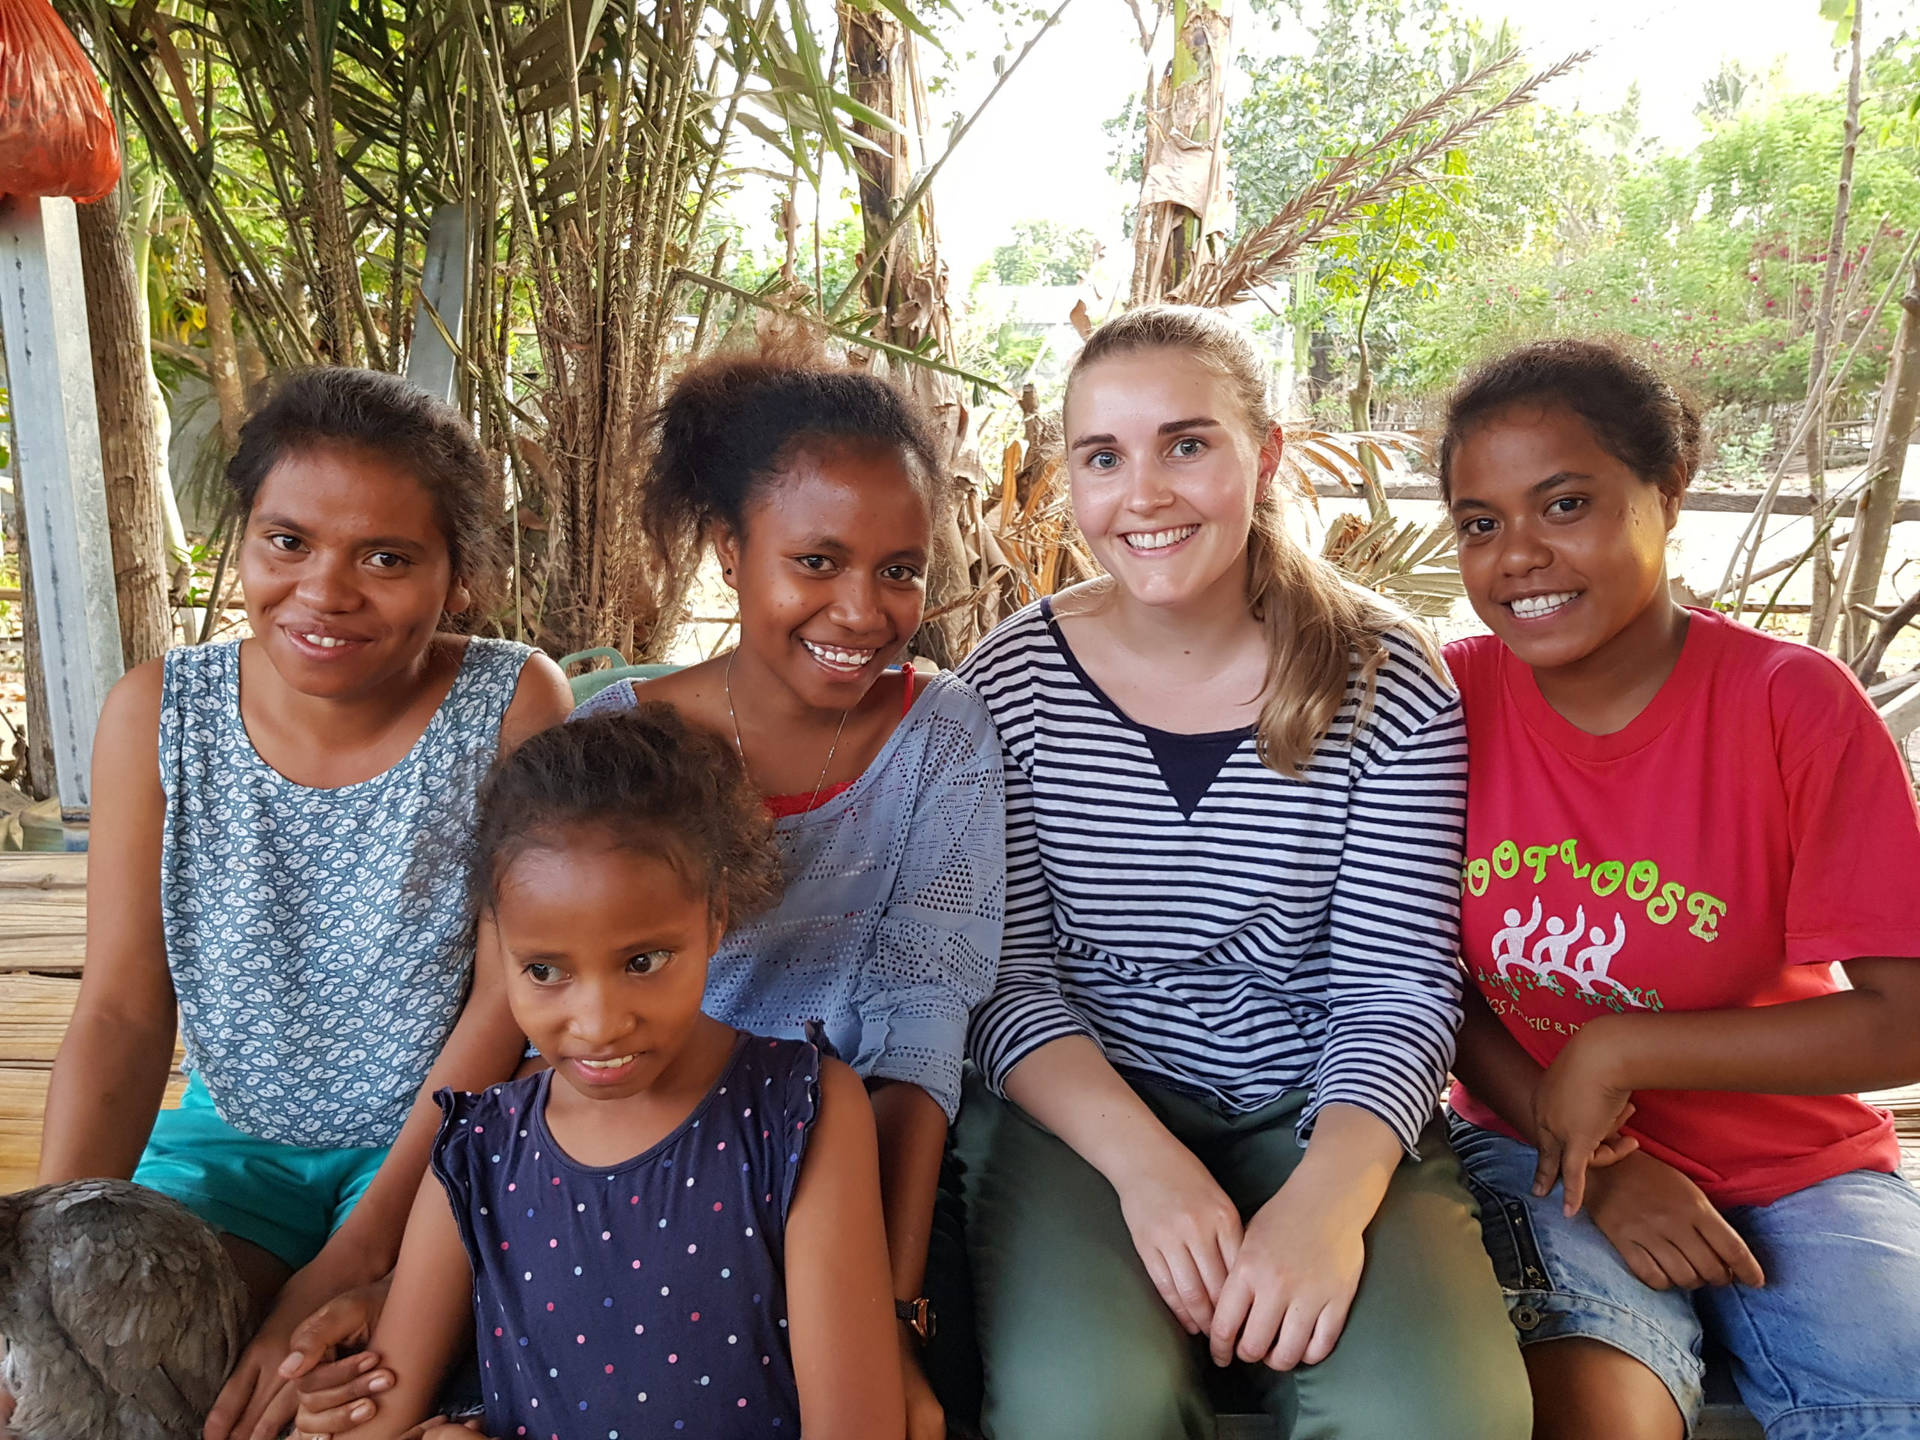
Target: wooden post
431,362
43,313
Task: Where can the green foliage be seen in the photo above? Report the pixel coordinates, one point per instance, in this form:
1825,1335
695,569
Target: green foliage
1043,252
1557,223
1531,183
1710,262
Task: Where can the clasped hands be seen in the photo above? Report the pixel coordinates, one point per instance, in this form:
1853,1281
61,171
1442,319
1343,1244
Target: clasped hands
1275,1291
1663,1226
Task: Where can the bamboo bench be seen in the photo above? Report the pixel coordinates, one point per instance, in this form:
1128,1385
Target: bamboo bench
43,918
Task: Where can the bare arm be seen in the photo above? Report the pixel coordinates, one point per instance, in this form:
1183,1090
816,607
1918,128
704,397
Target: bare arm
1069,1086
1493,1066
840,1302
1860,1039
912,1133
426,1316
1866,1038
111,1072
1184,1227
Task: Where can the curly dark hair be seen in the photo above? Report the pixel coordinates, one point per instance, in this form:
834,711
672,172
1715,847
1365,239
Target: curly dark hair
1638,418
732,423
388,415
652,782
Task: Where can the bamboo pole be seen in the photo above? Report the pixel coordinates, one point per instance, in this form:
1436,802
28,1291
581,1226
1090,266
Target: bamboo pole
1817,398
1873,523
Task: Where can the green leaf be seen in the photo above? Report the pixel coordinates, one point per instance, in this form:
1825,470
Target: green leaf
1840,12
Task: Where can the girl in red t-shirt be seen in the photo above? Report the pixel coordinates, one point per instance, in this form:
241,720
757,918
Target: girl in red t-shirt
1678,830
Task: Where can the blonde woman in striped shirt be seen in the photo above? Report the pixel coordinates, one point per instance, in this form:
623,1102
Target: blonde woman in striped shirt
1228,989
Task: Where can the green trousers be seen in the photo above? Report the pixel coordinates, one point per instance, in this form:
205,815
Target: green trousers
1076,1344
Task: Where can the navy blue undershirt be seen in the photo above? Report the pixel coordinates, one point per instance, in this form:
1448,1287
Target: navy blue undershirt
1189,764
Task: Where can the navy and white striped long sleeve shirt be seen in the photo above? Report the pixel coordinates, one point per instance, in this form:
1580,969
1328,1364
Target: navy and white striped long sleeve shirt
1284,934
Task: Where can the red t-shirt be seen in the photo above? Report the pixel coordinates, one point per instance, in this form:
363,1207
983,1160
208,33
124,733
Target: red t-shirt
1752,826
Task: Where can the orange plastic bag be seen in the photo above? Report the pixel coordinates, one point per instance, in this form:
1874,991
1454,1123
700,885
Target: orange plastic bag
56,134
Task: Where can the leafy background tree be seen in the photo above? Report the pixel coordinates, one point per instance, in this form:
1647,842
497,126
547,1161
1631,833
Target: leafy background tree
1042,252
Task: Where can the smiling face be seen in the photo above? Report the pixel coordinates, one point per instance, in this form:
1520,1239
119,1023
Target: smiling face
1562,547
831,570
346,570
606,949
1165,471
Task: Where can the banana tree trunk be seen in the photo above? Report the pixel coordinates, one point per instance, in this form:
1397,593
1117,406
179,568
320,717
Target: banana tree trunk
1186,192
907,293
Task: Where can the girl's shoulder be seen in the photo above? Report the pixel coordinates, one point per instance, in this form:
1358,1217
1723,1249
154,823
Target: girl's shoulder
1007,643
460,1109
692,690
1473,659
490,660
189,672
946,698
478,1127
766,1057
1805,697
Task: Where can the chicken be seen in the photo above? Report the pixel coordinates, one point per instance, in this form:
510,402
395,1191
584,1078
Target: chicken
120,1313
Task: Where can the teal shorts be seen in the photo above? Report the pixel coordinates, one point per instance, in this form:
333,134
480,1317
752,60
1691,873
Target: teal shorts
286,1199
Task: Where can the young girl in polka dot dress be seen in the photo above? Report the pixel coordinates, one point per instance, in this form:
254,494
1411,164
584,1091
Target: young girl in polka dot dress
675,1231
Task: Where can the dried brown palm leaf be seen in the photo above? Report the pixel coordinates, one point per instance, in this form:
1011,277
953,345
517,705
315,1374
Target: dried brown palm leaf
1402,559
1351,185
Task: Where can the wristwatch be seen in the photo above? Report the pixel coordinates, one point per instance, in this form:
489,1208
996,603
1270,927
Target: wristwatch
919,1317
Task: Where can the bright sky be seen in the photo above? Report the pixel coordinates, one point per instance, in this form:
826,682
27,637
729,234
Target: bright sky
1039,151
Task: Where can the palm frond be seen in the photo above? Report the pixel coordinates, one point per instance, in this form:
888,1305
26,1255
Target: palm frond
1351,183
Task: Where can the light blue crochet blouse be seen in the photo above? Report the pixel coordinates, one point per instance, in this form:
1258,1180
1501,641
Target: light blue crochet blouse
320,941
889,931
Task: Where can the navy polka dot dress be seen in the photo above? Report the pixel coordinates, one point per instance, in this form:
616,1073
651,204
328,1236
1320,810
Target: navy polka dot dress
639,1301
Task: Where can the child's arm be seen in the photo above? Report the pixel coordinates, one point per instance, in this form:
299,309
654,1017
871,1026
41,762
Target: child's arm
839,1297
112,1068
426,1317
1865,1038
1852,830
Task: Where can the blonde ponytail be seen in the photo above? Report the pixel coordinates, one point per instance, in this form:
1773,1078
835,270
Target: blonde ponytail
1323,631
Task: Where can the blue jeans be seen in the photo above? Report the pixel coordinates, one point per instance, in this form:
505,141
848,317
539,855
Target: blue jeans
1828,1349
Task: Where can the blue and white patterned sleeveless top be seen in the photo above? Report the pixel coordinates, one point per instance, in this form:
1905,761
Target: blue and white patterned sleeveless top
320,940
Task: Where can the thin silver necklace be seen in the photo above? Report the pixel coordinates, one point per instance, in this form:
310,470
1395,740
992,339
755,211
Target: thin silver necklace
819,784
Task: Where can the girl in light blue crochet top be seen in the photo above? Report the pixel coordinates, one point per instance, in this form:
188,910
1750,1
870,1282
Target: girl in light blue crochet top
279,832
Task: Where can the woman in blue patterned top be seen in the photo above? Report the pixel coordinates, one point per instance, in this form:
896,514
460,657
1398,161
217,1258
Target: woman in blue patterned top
279,829
675,1230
